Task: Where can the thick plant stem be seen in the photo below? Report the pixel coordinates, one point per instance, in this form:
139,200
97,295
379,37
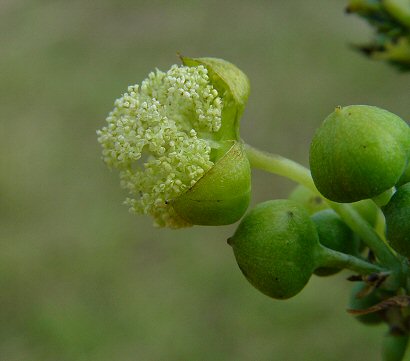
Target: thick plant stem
279,165
331,258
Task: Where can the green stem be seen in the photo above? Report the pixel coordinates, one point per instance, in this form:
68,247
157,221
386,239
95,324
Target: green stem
384,198
279,165
331,258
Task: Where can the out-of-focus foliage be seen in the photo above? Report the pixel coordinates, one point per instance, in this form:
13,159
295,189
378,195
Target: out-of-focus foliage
391,22
80,277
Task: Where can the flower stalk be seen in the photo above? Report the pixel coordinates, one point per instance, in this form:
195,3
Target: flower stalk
292,170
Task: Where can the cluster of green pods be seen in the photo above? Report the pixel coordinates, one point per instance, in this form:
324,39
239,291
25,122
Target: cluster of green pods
358,153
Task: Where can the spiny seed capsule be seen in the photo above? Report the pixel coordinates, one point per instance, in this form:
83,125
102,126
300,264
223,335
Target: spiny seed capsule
359,152
334,234
274,246
397,214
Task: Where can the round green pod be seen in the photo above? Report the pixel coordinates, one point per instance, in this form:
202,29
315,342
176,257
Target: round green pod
275,246
363,303
394,347
334,234
397,214
405,177
368,210
222,195
359,152
311,201
314,203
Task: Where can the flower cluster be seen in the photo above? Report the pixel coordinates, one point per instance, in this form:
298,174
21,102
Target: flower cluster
160,136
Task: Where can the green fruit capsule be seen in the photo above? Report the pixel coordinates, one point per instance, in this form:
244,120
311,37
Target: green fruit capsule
277,249
334,234
405,177
362,303
275,246
394,347
311,201
359,152
397,214
314,203
368,210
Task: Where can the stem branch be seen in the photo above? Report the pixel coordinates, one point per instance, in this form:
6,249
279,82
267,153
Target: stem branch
331,258
279,165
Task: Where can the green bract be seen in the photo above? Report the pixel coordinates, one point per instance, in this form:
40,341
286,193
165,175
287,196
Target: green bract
358,152
221,196
175,141
397,214
275,246
334,234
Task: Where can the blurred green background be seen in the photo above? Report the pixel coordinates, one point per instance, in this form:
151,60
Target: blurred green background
80,277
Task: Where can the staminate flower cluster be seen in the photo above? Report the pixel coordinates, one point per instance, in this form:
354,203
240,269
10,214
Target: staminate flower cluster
159,136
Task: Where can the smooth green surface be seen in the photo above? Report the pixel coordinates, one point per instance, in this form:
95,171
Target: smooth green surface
222,195
394,347
334,234
81,278
311,201
359,152
275,246
397,214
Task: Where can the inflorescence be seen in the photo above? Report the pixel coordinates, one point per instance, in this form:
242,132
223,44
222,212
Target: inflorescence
159,136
